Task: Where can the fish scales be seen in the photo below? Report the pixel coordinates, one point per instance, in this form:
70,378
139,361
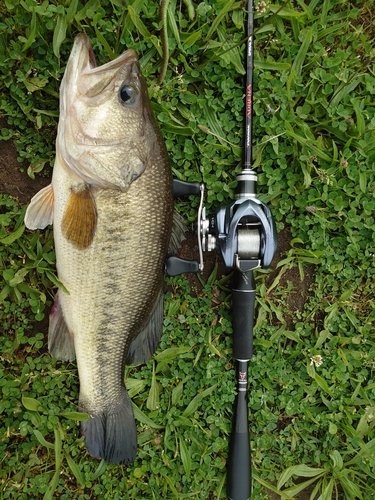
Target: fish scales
128,246
107,309
110,202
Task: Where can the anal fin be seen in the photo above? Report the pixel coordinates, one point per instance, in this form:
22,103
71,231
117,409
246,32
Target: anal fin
39,213
60,340
145,343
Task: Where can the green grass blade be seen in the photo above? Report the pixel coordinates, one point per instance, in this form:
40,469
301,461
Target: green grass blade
322,384
143,418
306,143
74,415
301,470
82,14
42,440
301,55
285,12
136,20
328,490
194,404
4,293
31,404
360,119
32,33
176,129
99,470
351,489
294,490
185,457
192,39
172,21
270,65
153,401
73,466
170,354
228,6
72,11
325,9
103,41
58,447
52,487
59,33
343,91
271,487
11,238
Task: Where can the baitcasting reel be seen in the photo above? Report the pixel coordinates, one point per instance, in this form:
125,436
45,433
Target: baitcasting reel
243,233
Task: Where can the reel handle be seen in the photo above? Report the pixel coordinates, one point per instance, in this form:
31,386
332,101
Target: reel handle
175,265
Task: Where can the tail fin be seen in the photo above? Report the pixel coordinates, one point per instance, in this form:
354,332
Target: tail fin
112,434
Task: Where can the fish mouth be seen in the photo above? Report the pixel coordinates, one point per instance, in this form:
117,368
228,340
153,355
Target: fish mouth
83,54
92,60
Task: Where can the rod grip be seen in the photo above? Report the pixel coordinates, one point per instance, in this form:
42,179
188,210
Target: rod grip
239,458
243,300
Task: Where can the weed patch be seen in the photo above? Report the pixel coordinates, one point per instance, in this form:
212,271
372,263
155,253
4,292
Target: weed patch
312,386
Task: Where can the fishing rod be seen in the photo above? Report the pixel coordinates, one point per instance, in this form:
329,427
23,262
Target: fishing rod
244,234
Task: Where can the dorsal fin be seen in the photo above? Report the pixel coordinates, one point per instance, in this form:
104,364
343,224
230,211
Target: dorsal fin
178,234
79,220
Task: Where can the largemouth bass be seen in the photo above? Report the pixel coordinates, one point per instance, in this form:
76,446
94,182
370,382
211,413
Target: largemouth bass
110,202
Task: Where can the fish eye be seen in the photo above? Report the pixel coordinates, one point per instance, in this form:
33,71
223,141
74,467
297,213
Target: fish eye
128,94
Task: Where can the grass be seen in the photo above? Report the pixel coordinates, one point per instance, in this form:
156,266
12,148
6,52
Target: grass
312,396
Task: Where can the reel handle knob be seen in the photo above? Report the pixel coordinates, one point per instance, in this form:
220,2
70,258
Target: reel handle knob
182,188
175,266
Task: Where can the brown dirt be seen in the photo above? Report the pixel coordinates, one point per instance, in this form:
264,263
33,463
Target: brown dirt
300,289
12,181
17,184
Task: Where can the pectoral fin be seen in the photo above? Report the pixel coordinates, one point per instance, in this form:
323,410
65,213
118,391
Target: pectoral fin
39,213
79,220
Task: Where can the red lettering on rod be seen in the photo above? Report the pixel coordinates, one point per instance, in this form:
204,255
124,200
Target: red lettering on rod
248,101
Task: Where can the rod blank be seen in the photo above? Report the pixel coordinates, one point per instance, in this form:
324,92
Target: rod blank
248,122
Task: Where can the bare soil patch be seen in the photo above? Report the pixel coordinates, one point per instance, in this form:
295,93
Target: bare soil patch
12,181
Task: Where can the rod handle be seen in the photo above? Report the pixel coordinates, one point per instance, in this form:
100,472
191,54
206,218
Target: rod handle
243,299
239,458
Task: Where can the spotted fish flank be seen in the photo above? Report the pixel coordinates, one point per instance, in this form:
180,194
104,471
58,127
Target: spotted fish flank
110,202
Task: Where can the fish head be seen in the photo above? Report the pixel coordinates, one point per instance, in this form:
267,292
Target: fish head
105,118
